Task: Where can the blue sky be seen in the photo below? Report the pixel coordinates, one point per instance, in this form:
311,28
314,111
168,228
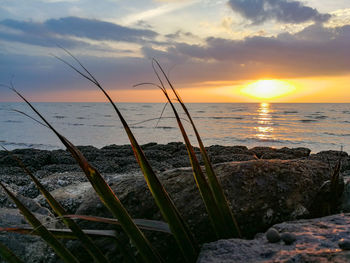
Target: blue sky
203,44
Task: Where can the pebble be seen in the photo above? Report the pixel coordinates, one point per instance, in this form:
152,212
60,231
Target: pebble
288,238
62,182
344,244
272,235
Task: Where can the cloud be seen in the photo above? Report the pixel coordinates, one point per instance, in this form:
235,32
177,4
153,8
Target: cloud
54,31
315,51
168,7
35,74
259,11
98,30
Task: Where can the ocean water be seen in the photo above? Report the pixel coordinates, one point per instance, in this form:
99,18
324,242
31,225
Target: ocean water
316,126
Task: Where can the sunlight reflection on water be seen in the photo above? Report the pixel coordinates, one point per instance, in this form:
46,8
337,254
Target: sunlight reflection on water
264,131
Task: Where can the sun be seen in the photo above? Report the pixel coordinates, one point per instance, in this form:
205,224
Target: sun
268,89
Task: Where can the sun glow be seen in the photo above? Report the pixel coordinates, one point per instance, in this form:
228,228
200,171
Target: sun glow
268,89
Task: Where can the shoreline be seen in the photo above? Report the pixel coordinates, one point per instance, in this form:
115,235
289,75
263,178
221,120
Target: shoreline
244,173
120,158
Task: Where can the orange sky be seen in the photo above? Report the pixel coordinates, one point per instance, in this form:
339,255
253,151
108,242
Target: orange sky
320,89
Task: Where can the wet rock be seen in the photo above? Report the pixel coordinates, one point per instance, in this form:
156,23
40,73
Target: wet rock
272,235
288,238
317,241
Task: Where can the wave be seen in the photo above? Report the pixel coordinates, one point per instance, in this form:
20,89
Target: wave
165,127
337,134
14,145
321,117
318,117
102,125
225,118
290,111
75,124
270,140
308,120
59,116
12,121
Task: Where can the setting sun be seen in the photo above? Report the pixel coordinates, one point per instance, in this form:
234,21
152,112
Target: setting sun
268,89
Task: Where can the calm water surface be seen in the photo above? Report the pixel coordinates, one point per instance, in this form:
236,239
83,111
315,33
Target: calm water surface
316,126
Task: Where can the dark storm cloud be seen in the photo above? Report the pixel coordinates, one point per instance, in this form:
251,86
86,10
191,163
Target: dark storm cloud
259,11
52,31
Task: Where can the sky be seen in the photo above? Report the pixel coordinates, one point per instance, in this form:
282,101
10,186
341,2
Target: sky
213,51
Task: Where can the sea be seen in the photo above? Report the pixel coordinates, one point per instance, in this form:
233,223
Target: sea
317,126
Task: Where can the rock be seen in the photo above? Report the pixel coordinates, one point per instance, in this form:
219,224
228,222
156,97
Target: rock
345,200
261,192
317,241
272,235
70,197
29,248
288,238
120,158
344,244
332,157
282,154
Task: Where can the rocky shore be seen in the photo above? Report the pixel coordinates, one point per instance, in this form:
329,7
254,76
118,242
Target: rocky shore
265,186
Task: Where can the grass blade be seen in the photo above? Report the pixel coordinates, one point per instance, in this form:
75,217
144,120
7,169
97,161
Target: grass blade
68,234
146,224
202,184
8,255
182,234
88,244
60,250
232,228
60,233
106,195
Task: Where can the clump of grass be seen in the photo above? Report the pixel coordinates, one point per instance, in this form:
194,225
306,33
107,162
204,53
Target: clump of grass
327,199
218,209
222,218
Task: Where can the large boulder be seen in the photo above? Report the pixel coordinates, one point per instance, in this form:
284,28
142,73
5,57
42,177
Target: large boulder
261,193
317,240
